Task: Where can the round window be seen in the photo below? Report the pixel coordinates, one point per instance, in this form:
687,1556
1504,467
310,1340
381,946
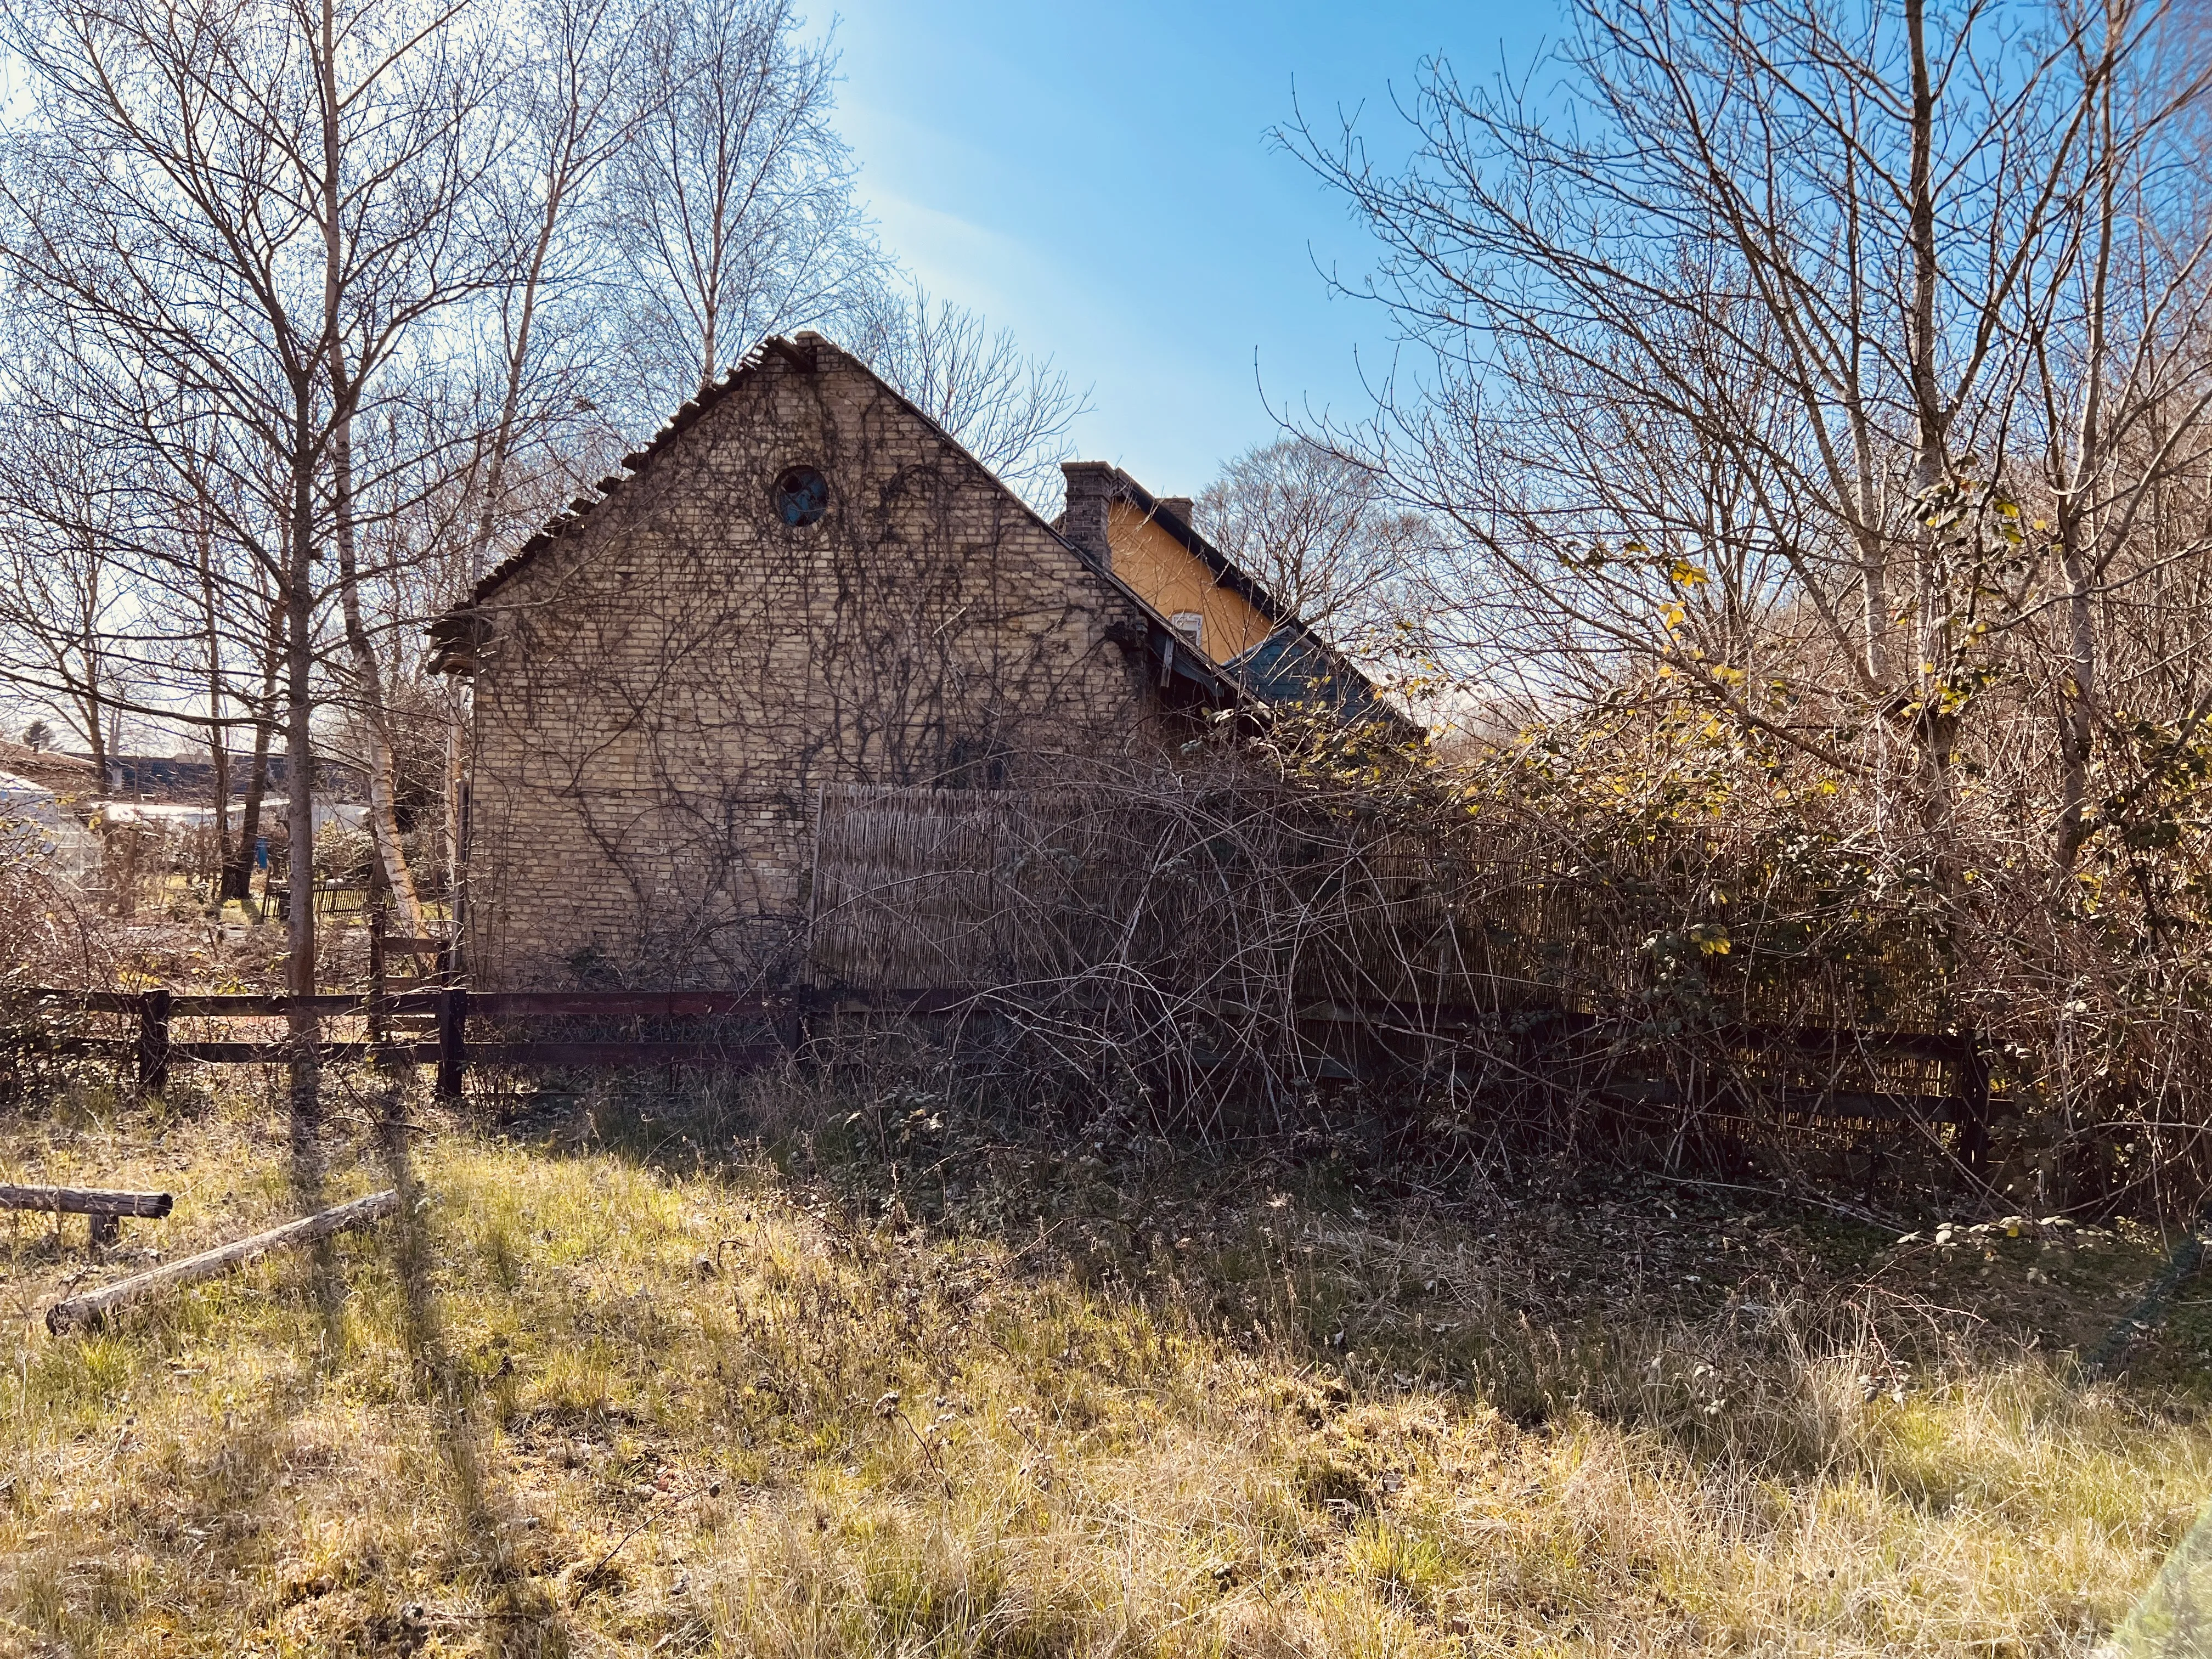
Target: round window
802,496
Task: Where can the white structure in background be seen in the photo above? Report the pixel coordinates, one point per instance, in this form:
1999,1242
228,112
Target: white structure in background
171,817
34,823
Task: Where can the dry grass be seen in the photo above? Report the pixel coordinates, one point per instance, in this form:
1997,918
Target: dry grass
635,1381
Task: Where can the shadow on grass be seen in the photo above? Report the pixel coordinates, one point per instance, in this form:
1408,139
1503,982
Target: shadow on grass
519,1621
2174,1621
1589,1294
303,1094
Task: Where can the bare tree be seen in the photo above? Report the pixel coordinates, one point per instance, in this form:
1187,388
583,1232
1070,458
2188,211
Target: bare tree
734,206
1763,354
1321,534
575,102
246,213
1013,412
66,595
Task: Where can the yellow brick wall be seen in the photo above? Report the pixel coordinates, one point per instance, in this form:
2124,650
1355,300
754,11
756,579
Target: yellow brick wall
666,691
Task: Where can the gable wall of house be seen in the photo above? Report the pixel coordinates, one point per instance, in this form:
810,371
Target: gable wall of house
1174,579
663,693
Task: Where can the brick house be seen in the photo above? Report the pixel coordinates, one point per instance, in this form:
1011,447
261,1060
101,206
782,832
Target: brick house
802,584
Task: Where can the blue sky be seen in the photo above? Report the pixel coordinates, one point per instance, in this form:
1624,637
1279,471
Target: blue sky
1097,177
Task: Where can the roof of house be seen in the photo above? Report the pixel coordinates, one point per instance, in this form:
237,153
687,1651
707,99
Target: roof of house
686,416
48,768
1293,664
1226,572
453,633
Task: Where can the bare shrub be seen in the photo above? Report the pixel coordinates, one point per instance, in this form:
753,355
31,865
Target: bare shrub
48,938
1638,934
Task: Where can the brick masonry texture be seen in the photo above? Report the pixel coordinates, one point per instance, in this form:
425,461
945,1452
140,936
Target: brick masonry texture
663,694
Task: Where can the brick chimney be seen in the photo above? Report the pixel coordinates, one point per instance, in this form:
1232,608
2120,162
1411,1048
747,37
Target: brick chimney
1090,486
1178,504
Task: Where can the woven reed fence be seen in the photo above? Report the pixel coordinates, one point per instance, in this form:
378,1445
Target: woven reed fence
1240,890
1272,890
1245,935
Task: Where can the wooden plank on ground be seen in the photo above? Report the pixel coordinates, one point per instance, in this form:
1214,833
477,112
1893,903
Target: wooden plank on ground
91,1310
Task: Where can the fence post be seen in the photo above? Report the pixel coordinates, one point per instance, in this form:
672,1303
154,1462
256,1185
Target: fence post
453,1052
153,1041
1978,1109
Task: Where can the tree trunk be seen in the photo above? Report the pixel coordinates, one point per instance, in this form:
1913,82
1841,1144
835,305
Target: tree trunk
2077,525
92,709
1931,464
218,734
502,442
1936,729
368,679
238,880
2076,728
219,756
92,1308
304,1082
95,739
456,826
369,683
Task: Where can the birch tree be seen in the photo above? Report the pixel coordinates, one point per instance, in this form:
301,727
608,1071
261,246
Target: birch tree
256,209
733,206
575,103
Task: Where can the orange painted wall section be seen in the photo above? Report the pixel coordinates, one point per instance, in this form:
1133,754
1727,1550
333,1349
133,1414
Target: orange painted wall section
1169,578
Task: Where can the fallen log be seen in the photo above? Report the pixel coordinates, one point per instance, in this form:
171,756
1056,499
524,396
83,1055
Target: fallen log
94,1307
86,1201
105,1208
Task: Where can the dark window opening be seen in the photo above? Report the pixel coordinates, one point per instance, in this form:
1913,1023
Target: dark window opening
801,494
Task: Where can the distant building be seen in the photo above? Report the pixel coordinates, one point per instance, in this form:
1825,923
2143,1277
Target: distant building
1217,608
189,778
36,822
69,776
